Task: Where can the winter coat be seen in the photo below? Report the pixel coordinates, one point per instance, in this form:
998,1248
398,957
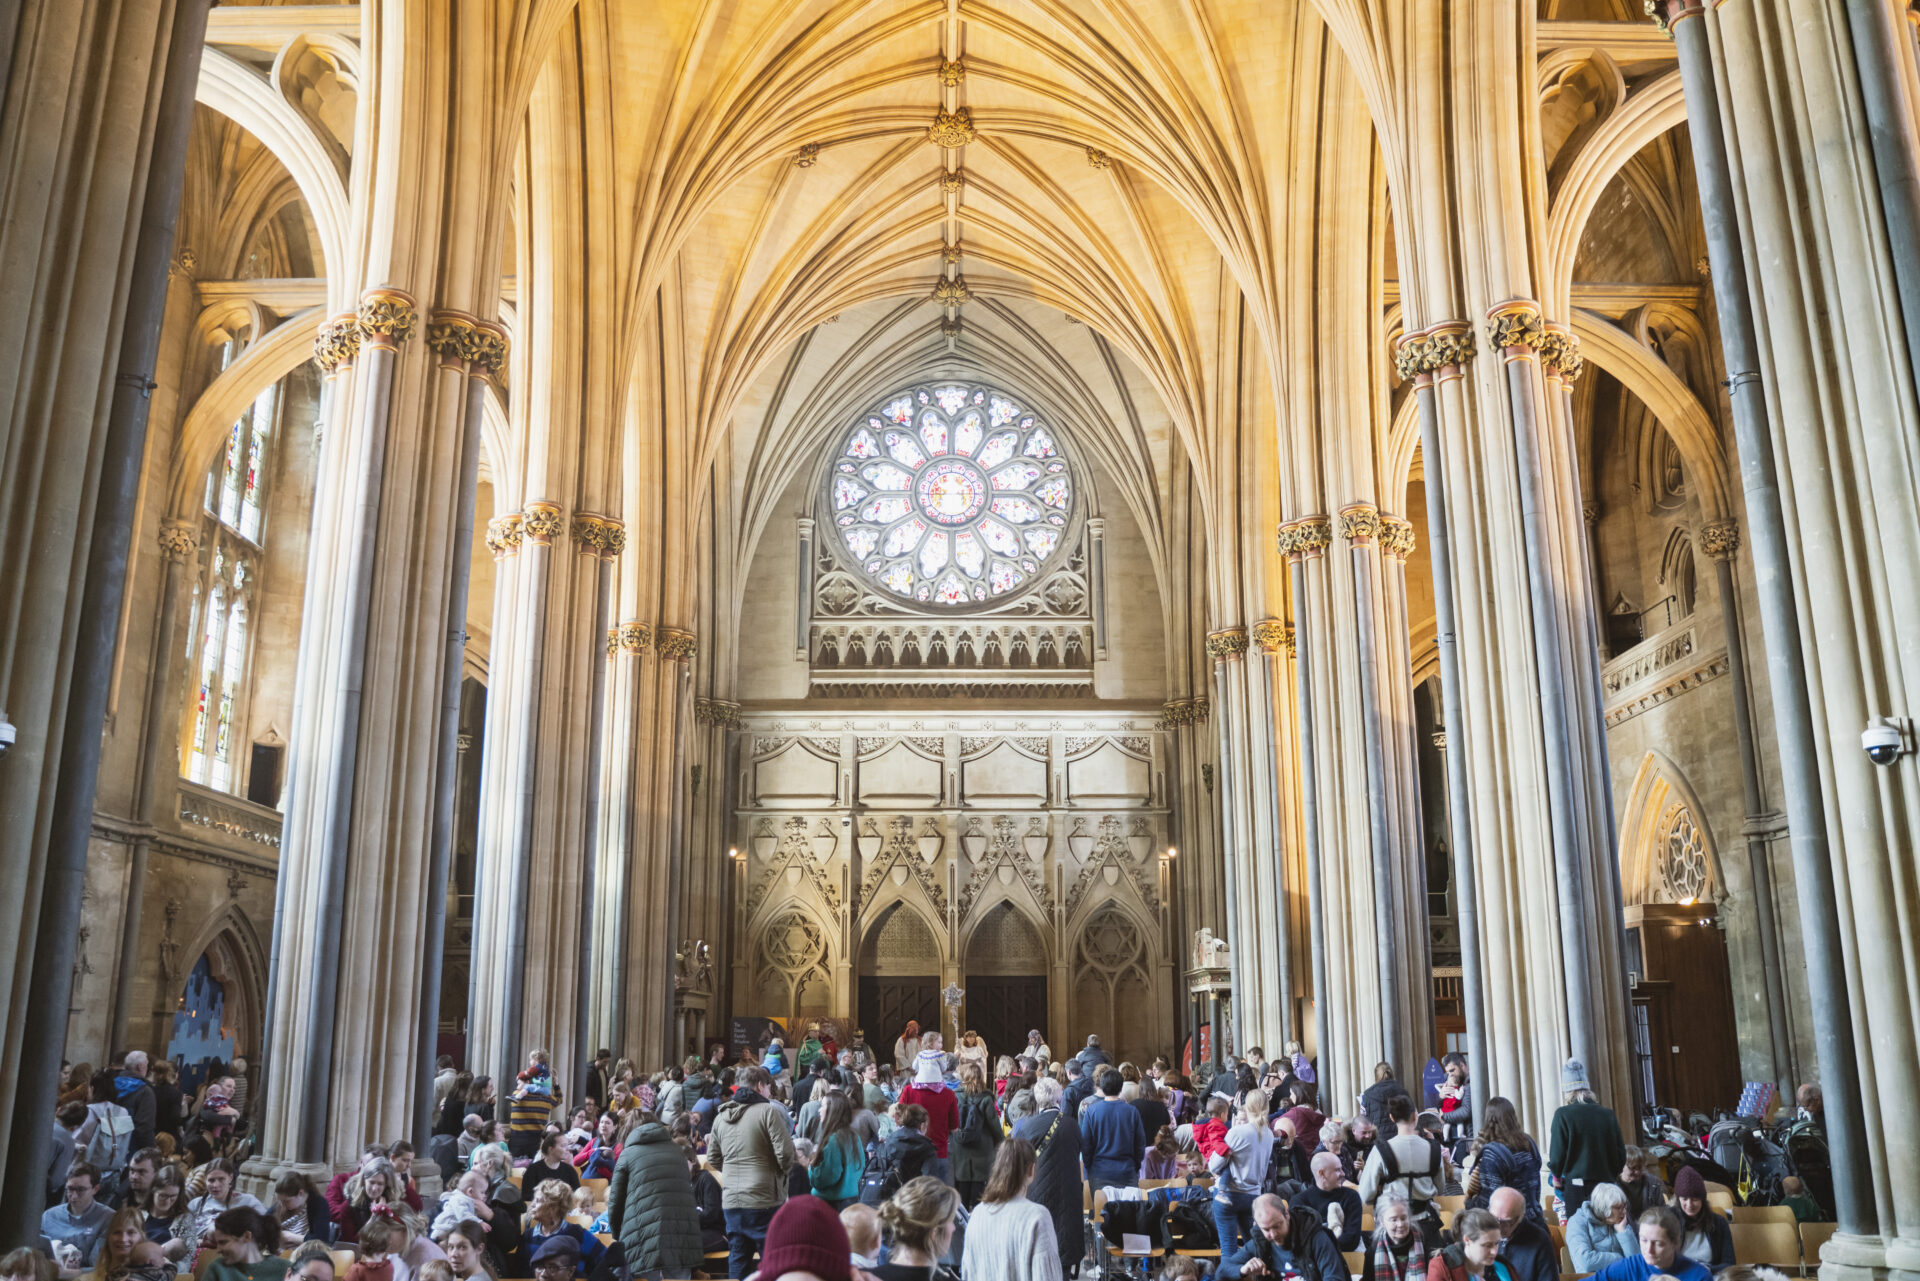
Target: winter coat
1115,1141
1308,1250
973,1157
837,1167
1374,1103
751,1150
1056,1178
650,1205
1517,1168
136,1096
1592,1245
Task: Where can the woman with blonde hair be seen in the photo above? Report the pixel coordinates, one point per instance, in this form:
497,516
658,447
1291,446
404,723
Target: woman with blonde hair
973,1049
919,1223
547,1217
124,1231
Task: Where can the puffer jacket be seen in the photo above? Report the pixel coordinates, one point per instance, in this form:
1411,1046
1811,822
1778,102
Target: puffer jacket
650,1205
751,1150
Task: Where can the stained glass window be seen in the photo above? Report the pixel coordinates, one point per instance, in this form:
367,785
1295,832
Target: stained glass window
951,494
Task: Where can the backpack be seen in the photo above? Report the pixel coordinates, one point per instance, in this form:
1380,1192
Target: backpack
973,1128
1191,1227
881,1179
112,1136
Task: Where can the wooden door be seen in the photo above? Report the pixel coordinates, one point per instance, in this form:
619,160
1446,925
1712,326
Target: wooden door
1694,1045
888,1001
1003,1008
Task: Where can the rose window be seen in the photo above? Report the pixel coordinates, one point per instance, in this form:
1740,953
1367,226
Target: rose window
951,495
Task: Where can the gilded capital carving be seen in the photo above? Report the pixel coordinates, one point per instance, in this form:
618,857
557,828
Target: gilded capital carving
613,641
179,539
600,536
635,637
1667,13
386,317
488,352
716,712
1228,642
951,293
1271,635
951,128
1516,326
1184,711
1396,536
1360,524
543,523
1098,158
503,535
1720,539
1307,537
1410,357
337,343
450,337
952,73
673,644
1449,345
1560,353
952,182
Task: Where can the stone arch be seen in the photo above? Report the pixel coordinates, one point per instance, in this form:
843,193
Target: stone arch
793,962
239,963
1667,850
1006,938
899,938
265,361
1113,966
1669,399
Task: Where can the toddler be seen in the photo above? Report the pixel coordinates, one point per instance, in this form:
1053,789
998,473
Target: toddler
862,1223
468,1200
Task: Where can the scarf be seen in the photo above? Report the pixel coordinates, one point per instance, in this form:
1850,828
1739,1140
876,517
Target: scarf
1389,1266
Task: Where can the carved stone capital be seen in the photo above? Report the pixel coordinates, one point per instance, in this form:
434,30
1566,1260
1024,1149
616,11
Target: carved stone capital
1720,539
1098,158
386,317
952,73
1590,512
716,712
1560,353
1306,538
179,539
1667,13
450,337
1516,327
951,128
504,534
1410,357
488,353
600,536
675,645
1271,635
1184,711
1449,346
1228,642
542,523
1360,524
951,293
635,637
337,343
1396,537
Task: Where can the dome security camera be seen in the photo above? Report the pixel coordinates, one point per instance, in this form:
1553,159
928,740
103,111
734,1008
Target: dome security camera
7,734
1886,740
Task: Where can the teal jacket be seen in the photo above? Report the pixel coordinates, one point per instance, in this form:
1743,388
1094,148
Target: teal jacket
837,1167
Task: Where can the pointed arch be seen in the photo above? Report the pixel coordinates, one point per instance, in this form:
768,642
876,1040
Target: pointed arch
1667,849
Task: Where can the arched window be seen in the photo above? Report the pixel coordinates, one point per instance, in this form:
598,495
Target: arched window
950,495
221,638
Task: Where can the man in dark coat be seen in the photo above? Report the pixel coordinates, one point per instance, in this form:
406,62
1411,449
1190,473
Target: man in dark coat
1056,1176
1115,1139
136,1096
1283,1243
650,1205
1374,1101
1079,1087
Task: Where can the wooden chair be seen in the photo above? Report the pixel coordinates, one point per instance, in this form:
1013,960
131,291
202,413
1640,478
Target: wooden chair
1761,1214
599,1189
1720,1203
1356,1262
1566,1262
1451,1204
1558,1233
1813,1238
1774,1245
604,1238
342,1260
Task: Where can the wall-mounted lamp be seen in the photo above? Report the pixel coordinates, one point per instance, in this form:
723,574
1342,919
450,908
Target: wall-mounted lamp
1173,852
733,853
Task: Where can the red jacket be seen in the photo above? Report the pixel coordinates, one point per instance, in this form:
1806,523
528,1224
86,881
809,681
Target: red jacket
943,1112
1210,1136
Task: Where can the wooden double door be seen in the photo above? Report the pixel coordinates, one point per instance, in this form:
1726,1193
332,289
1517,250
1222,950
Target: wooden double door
888,1001
1003,1008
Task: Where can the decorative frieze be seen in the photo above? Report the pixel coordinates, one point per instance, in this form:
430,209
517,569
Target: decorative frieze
951,128
674,645
1360,524
1720,539
541,523
600,536
504,534
716,712
1228,642
1184,711
386,317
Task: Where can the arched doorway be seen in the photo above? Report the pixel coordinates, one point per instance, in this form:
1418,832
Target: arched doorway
899,977
1006,979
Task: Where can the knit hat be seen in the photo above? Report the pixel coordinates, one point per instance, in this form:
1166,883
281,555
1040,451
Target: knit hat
806,1236
1573,1076
1689,1183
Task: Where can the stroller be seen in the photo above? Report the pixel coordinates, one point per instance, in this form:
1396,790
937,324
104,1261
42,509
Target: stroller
1806,1148
1756,1162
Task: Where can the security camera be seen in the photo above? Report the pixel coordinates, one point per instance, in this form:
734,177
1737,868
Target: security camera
1887,739
7,734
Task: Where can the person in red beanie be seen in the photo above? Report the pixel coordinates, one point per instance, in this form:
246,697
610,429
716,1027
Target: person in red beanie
805,1242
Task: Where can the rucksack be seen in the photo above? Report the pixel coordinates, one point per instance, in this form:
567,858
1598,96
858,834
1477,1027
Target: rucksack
973,1128
107,1149
1191,1227
881,1179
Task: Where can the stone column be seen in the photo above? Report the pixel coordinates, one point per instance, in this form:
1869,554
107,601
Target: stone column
1271,637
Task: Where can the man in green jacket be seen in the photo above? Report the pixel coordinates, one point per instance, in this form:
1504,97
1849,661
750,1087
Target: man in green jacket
650,1206
1585,1148
750,1151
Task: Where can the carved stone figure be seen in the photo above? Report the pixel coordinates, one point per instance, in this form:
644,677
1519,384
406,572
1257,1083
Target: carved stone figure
1209,953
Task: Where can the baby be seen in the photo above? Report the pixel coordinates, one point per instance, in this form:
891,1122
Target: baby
468,1200
862,1223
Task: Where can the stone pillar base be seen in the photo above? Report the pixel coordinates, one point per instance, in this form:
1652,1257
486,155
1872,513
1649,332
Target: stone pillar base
260,1173
1865,1258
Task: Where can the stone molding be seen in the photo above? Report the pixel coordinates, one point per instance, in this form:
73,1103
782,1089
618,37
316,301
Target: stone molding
598,536
504,534
1228,642
717,712
1720,539
674,645
1360,524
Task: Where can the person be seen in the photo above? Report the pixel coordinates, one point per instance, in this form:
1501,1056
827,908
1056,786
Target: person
1399,1250
1007,1234
451,1116
907,1154
311,1261
1151,1104
751,1151
1411,1160
466,1247
1037,1049
810,1080
1373,1102
907,1048
376,1186
531,1106
1644,1189
132,1092
504,1199
1336,1205
840,1158
862,1223
599,1082
1456,1098
811,1049
560,1257
929,1090
105,1139
25,1264
466,1202
1475,1252
444,1076
130,1184
163,1078
972,1049
1333,1141
552,1163
1584,1147
1793,1195
1659,1234
596,1160
221,1196
1707,1238
650,1204
546,1221
247,1243
1526,1247
976,1134
1283,1244
1113,1139
1362,1134
1091,1056
1239,1171
1601,1231
299,1211
1505,1156
1162,1160
1809,1106
78,1222
806,1241
170,1225
1055,1138
919,1220
480,1098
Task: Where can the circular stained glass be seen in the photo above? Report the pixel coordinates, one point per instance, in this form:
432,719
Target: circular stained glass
951,495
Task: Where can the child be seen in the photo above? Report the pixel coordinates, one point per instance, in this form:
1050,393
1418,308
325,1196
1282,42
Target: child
1181,1268
1793,1195
217,1113
377,1261
1163,1158
623,1101
582,1212
468,1200
862,1223
1210,1135
803,1154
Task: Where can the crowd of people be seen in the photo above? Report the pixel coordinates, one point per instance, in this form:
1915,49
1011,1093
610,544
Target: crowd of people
846,1164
